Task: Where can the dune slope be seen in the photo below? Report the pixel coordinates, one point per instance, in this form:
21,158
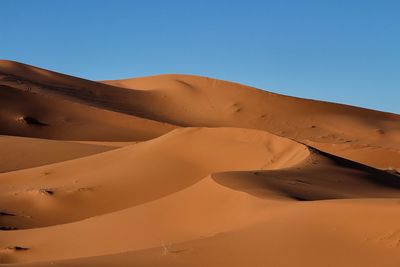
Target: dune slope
328,233
136,174
19,153
187,100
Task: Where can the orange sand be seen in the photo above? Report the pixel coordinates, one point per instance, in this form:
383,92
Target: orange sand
179,170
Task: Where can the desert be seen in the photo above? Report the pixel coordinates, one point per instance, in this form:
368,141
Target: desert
184,170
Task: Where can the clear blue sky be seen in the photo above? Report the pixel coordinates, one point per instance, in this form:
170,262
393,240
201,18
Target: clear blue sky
342,51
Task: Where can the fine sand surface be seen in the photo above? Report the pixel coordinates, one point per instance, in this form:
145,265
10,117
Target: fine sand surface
180,170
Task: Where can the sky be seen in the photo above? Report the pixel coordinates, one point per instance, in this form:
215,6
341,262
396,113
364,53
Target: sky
340,51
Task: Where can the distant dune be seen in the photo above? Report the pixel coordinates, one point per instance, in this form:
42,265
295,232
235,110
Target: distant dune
181,170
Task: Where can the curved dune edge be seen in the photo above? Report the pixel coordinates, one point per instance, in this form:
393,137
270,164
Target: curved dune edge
230,205
138,173
320,177
179,217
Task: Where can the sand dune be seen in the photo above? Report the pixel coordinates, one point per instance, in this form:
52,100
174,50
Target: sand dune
83,187
180,170
320,177
220,103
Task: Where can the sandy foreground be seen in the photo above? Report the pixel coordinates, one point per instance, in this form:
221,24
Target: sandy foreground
180,170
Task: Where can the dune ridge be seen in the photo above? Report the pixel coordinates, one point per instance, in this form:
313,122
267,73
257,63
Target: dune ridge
183,170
